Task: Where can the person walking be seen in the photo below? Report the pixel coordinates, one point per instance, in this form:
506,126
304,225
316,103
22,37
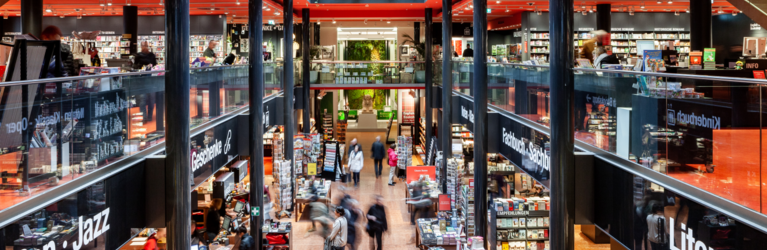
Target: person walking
377,224
319,214
379,152
352,213
356,162
392,163
337,237
656,225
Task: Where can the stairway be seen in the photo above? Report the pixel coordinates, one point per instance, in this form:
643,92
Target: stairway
754,9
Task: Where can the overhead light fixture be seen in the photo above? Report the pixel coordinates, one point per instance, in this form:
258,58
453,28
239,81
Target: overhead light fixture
263,7
687,10
109,2
720,11
659,2
631,11
161,2
734,13
584,13
642,5
127,2
213,7
318,22
670,1
471,6
388,21
101,3
676,13
507,9
497,1
334,21
61,16
238,2
591,10
276,13
48,9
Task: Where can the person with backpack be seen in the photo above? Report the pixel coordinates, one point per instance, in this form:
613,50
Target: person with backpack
392,163
656,225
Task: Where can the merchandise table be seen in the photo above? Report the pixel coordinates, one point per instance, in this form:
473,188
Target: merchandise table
419,241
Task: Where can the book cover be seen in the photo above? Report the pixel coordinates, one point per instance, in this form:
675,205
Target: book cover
584,63
653,61
709,54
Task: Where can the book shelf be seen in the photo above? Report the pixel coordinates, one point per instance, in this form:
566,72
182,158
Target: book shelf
538,46
327,126
624,42
109,47
156,45
341,131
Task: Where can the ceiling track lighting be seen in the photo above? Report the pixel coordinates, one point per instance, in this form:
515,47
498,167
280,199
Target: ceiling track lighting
642,5
127,2
48,9
109,2
687,10
102,3
670,1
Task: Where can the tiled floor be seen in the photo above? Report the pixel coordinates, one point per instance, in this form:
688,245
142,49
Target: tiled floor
401,234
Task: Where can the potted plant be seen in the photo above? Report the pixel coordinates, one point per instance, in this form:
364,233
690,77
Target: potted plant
420,48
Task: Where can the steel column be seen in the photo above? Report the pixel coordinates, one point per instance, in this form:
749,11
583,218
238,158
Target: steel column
256,119
32,17
447,88
306,65
429,76
288,80
700,25
417,32
603,17
178,203
130,26
562,121
479,87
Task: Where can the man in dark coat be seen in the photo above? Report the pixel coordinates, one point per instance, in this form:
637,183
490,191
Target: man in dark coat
145,57
377,221
379,153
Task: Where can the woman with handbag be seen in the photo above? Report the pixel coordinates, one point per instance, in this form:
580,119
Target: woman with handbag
337,238
356,162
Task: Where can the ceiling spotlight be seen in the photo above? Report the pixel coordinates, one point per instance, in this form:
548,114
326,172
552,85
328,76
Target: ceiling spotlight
276,13
642,6
676,13
471,6
61,16
591,10
659,2
497,1
584,13
109,2
268,9
161,2
334,21
127,2
263,7
48,9
670,1
507,10
212,7
318,22
720,11
687,10
238,2
101,3
388,21
734,13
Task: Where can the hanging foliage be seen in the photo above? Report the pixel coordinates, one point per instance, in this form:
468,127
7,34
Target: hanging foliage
356,95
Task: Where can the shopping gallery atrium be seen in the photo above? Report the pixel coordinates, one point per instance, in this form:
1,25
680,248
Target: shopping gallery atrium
383,124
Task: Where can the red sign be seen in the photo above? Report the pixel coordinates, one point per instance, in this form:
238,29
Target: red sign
414,173
444,202
758,74
525,46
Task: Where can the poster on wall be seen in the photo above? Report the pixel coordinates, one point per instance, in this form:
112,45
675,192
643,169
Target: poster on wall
415,172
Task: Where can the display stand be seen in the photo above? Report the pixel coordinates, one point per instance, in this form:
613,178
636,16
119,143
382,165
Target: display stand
332,160
278,228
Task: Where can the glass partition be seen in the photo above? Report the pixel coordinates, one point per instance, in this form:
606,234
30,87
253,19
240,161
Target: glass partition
56,130
705,131
367,72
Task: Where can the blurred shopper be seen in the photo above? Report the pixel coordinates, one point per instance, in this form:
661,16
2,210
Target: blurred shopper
356,162
319,214
352,213
67,64
197,239
145,57
601,57
392,163
379,152
377,224
337,238
589,45
420,200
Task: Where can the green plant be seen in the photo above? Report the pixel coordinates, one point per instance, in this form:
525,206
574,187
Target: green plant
420,48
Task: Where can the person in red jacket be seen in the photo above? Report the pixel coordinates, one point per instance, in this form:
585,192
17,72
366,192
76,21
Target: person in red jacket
392,163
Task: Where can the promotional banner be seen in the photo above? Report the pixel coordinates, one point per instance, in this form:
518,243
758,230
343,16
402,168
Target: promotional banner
213,149
525,148
444,202
415,172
